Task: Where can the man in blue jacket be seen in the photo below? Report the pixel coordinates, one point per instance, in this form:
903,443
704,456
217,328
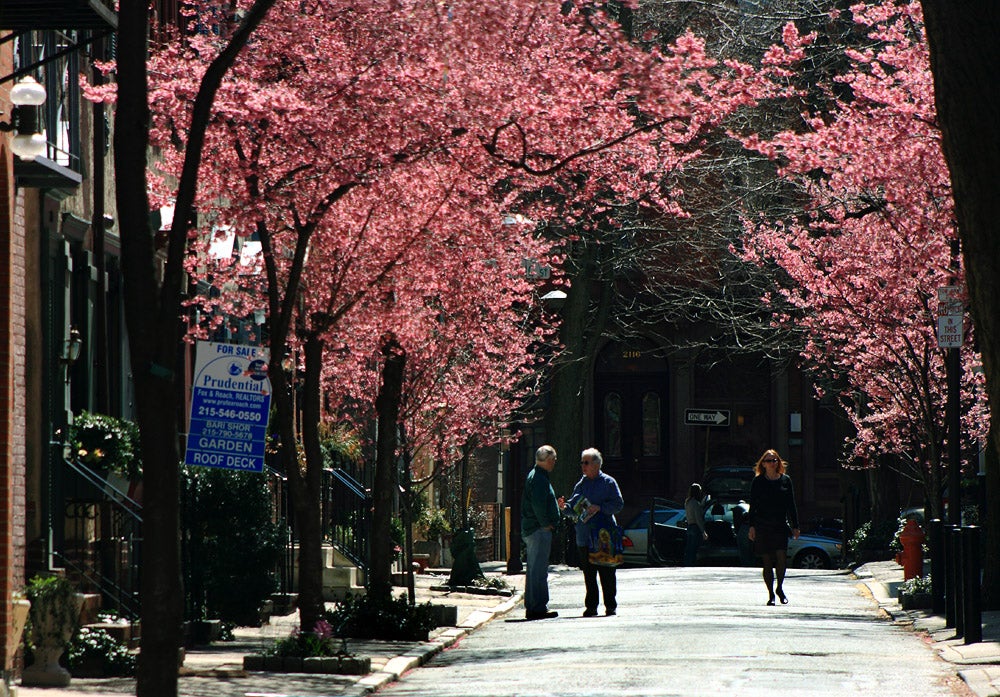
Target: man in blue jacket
539,517
603,502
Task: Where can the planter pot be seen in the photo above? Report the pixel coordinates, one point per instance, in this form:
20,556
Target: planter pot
206,631
915,601
19,618
46,671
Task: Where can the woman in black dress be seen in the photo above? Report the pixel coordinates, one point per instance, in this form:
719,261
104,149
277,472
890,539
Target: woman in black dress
772,509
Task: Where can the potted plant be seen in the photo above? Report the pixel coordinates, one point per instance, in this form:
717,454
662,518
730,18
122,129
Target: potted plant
432,524
52,619
109,446
915,593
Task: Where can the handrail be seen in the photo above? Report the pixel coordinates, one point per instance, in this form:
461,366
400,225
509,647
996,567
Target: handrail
347,480
346,505
124,501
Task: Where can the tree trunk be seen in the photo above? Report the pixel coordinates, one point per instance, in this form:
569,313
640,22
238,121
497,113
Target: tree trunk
307,498
965,57
991,531
584,317
387,406
153,343
153,317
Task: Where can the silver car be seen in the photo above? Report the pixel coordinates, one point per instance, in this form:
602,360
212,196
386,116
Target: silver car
725,545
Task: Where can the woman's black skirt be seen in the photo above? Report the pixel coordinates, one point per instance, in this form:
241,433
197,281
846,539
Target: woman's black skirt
770,537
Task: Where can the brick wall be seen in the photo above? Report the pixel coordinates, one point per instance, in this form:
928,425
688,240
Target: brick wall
12,391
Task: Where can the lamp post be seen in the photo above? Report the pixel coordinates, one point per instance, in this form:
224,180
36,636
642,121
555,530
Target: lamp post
28,141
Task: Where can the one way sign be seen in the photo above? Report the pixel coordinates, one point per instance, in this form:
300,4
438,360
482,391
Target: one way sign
706,417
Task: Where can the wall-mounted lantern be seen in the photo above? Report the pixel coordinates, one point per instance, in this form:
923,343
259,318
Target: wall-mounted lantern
71,350
29,140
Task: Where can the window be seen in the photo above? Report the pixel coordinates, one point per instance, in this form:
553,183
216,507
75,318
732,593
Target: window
650,424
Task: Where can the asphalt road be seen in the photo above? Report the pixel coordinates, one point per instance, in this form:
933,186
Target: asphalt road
693,631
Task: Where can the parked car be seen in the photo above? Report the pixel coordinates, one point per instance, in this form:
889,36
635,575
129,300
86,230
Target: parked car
668,522
727,543
824,527
814,552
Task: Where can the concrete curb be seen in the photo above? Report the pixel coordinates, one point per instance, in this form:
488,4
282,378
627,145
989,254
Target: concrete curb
419,655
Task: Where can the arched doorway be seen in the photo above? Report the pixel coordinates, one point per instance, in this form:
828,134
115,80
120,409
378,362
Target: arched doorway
631,408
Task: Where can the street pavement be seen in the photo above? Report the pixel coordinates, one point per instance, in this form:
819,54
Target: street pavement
834,614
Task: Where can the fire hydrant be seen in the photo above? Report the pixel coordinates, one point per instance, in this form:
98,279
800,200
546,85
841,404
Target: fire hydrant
912,556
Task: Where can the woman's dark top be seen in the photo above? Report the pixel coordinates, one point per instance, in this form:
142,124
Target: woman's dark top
772,501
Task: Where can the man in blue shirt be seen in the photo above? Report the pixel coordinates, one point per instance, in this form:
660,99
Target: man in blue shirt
539,517
605,500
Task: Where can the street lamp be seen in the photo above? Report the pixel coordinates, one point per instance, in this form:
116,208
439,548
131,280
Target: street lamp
28,142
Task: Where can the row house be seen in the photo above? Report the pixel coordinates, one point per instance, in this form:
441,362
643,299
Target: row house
62,331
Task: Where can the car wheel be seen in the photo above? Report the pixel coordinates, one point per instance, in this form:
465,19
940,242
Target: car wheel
811,559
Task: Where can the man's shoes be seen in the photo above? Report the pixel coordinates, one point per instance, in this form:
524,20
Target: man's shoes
589,613
544,615
609,611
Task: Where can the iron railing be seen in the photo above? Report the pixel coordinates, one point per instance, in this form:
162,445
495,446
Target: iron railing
346,515
100,543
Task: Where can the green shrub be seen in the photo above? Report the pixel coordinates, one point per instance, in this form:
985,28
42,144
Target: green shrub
433,523
232,546
367,617
879,537
96,650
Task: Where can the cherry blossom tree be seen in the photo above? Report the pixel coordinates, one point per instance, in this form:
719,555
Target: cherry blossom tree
873,243
347,95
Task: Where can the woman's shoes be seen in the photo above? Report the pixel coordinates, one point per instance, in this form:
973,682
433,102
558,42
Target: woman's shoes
770,601
781,596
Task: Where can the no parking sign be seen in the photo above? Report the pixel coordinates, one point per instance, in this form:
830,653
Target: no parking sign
230,403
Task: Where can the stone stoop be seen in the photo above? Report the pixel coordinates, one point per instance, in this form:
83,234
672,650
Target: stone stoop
338,581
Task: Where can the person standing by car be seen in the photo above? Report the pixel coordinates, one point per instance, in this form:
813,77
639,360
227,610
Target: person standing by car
539,517
772,509
694,513
603,501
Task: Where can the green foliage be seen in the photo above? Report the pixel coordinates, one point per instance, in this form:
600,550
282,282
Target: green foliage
433,523
396,531
105,442
381,617
490,582
232,544
339,443
53,609
879,537
317,643
917,584
95,648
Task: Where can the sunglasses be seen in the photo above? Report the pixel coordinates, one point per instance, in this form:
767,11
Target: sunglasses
770,459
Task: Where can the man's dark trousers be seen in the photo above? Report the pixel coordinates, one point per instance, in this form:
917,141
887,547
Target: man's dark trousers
609,584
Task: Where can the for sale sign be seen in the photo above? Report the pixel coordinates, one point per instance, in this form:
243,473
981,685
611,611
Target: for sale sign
230,403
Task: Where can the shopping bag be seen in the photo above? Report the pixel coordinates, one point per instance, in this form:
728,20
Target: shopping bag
605,547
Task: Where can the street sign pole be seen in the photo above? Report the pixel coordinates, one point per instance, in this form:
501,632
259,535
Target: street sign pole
954,376
950,334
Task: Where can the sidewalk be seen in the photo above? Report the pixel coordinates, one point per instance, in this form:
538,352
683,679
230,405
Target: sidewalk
217,670
979,664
